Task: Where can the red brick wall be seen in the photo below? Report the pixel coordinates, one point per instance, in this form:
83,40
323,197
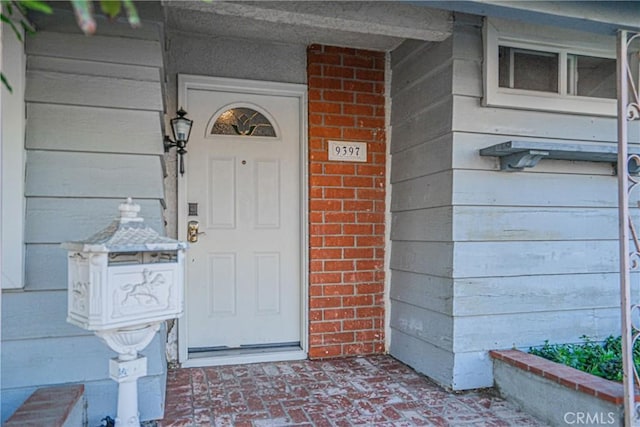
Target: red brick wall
347,202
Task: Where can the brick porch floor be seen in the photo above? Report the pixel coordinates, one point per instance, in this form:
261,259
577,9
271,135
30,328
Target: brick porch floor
359,391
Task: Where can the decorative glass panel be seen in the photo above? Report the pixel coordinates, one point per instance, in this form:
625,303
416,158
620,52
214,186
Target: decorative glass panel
243,121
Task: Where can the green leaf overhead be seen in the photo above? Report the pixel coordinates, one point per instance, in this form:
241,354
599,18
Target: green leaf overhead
5,82
111,8
36,5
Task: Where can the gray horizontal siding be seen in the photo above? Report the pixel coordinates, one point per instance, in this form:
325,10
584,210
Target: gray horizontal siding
428,326
97,91
423,356
528,256
507,223
36,315
429,258
432,293
75,359
91,68
433,224
523,330
517,258
470,116
97,48
491,188
93,129
427,158
434,86
424,192
421,261
431,122
72,174
485,296
45,267
78,219
93,138
535,252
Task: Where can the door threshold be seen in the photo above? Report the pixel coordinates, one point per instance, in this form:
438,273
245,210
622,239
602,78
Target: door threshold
243,356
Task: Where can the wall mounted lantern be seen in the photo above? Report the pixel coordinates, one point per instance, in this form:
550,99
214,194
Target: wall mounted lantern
181,127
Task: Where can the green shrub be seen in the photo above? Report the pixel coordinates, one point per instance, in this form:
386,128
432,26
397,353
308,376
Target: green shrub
601,359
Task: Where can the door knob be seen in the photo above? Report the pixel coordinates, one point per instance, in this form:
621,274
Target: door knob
192,231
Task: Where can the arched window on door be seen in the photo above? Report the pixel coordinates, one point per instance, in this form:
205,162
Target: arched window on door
243,121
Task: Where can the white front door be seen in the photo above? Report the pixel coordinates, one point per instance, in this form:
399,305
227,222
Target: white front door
242,183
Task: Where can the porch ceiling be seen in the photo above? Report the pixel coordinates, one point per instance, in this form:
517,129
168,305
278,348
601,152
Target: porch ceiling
378,25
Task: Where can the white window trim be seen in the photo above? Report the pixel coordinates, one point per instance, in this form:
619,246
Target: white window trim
12,127
503,33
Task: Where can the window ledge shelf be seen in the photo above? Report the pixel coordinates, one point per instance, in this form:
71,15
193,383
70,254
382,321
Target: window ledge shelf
517,155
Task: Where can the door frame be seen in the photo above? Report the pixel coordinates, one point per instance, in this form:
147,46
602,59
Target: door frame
189,81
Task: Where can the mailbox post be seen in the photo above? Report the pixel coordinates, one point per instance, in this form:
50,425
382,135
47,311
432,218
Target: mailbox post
123,282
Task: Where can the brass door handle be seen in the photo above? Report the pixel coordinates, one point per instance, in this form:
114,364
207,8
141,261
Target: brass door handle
192,231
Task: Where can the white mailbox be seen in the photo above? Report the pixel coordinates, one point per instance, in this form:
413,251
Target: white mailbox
125,275
123,282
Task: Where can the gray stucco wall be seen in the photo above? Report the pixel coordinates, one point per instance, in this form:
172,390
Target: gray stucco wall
214,56
484,259
93,137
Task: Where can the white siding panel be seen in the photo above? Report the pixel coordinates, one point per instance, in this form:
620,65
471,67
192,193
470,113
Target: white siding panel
61,88
119,50
91,68
528,294
45,267
419,257
429,292
433,225
93,175
424,192
78,219
92,129
495,259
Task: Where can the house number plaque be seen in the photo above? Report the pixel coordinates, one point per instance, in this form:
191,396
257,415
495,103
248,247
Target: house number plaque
347,151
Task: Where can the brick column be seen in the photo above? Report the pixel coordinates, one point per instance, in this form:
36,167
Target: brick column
347,202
